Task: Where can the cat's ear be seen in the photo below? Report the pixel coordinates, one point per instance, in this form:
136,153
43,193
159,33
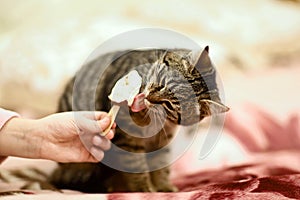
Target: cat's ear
209,107
203,63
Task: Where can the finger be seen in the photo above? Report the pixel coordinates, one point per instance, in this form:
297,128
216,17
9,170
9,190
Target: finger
94,115
104,123
97,153
101,142
110,135
93,126
100,115
114,125
90,126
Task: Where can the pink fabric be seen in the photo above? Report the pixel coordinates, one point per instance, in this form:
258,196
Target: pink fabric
6,115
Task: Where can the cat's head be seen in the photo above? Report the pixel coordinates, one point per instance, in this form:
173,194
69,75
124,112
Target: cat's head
185,87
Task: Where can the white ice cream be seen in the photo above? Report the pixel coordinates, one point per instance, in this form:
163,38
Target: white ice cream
126,88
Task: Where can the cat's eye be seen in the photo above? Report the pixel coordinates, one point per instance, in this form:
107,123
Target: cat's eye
156,87
168,105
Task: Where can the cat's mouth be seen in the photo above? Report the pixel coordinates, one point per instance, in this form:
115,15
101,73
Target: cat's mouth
139,103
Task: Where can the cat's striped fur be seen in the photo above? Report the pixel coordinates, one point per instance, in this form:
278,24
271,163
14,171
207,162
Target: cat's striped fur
179,89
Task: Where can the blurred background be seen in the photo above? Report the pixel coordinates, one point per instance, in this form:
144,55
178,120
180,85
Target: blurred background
255,45
43,43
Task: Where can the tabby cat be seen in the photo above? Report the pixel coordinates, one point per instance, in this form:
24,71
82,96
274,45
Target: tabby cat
180,89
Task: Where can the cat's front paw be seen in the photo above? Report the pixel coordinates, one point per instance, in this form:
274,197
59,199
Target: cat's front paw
161,182
128,182
150,189
146,188
131,188
166,187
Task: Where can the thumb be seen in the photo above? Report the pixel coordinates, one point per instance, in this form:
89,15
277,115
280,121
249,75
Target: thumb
91,125
104,123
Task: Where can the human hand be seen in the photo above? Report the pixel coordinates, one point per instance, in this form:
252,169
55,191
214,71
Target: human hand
74,136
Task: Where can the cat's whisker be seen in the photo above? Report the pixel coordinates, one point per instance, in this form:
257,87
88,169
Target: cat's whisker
156,120
162,125
153,117
146,115
164,134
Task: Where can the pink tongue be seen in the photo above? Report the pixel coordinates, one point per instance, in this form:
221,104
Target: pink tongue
138,103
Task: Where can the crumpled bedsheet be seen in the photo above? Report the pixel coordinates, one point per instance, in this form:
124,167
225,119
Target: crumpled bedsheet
273,171
248,181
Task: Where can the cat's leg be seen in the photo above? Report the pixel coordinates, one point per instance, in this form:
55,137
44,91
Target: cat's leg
127,155
132,175
161,182
160,171
130,182
158,158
